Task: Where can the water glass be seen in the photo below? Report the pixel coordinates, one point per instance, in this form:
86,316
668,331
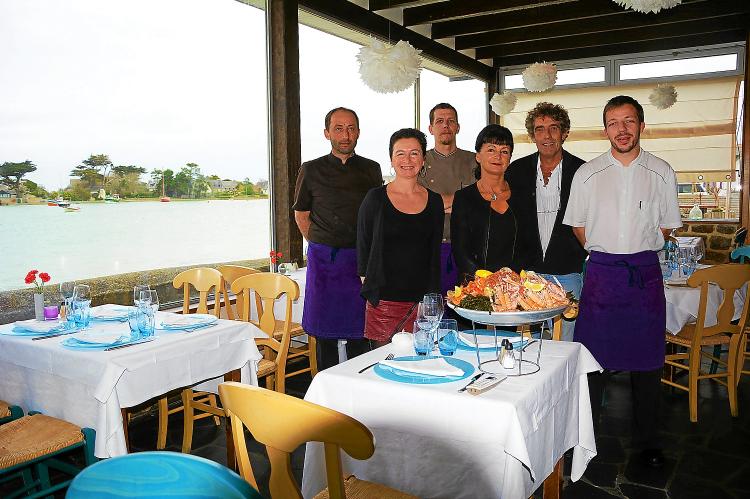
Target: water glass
66,291
81,312
447,336
133,318
146,321
422,340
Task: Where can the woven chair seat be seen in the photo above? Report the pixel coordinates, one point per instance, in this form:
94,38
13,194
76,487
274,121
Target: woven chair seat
266,367
4,409
685,337
361,489
34,436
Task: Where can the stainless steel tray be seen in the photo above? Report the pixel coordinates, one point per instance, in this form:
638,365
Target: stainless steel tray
518,318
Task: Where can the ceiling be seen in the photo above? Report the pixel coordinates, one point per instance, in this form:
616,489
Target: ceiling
478,36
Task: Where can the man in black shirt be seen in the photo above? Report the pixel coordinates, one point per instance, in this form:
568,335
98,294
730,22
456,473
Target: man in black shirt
328,193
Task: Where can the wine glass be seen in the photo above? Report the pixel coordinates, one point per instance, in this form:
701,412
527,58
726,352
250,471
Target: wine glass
66,290
439,303
149,298
137,292
81,305
82,292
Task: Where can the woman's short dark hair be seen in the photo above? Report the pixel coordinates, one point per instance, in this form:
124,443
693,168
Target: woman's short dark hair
492,134
408,133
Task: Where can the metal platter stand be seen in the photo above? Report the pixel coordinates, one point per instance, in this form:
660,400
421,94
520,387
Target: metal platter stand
509,319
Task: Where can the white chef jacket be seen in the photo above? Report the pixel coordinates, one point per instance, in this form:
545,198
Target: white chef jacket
623,208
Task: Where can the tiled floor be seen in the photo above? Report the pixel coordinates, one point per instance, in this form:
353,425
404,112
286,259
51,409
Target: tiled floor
708,459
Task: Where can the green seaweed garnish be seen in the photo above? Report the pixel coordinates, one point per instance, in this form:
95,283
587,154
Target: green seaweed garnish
476,303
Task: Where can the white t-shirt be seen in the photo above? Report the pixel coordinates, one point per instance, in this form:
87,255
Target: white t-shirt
547,202
624,208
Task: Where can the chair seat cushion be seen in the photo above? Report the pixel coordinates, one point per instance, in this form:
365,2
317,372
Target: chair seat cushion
361,489
33,436
4,409
685,337
266,367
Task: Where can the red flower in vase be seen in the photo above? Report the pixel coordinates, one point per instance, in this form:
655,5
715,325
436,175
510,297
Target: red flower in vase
275,256
31,278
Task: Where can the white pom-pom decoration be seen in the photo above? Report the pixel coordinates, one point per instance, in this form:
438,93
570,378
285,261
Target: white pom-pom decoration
539,77
663,96
504,103
389,68
648,6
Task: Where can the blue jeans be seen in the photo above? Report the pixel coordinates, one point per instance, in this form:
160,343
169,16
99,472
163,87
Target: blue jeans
572,283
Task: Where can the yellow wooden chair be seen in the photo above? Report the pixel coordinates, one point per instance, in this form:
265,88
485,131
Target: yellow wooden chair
729,277
229,274
203,279
267,288
282,423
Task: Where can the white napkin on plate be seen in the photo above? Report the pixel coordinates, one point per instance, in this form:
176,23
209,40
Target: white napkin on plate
98,337
433,366
486,341
109,311
37,326
188,320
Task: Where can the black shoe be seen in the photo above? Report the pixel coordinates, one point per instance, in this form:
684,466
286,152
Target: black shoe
653,458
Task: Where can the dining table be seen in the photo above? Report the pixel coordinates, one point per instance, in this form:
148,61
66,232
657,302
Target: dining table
433,441
91,387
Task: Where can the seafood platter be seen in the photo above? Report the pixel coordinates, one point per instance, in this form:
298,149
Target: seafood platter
507,298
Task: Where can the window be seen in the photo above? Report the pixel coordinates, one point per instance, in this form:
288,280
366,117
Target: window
565,77
679,67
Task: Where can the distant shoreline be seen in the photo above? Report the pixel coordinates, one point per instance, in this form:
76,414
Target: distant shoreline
43,202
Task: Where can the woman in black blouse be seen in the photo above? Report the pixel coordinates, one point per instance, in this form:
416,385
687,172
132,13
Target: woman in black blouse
399,231
486,231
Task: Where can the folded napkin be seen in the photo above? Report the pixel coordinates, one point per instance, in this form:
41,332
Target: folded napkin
488,340
179,321
99,337
433,366
110,311
35,326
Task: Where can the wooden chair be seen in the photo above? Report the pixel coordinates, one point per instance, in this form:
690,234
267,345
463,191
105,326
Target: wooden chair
229,274
203,279
693,337
30,446
741,254
267,288
282,423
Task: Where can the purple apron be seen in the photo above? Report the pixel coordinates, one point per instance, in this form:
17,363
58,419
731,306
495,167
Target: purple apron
448,269
333,307
622,318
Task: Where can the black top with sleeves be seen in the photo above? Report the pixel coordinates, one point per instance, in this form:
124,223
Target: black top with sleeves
482,238
385,253
565,254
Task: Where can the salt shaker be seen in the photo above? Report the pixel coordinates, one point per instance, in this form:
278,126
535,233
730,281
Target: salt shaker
507,355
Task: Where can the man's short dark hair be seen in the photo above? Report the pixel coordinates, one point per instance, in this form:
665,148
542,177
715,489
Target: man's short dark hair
554,111
492,134
408,133
330,113
621,100
442,105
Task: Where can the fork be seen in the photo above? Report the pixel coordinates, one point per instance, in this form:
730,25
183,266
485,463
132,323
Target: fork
390,356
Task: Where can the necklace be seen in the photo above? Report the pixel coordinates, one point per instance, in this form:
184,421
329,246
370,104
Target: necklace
494,196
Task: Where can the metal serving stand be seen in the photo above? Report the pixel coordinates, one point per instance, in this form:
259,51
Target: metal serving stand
509,319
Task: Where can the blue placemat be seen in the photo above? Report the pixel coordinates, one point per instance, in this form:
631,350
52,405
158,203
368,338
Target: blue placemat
79,345
487,332
423,379
193,322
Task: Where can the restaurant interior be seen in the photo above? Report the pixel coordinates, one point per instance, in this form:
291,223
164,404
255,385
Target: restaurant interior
72,425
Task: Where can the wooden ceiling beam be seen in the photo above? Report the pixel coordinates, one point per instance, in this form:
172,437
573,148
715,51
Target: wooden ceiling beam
623,36
580,10
676,43
702,10
389,4
461,10
355,17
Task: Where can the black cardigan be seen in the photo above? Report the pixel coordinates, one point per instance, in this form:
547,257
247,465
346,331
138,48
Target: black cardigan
565,254
470,233
370,242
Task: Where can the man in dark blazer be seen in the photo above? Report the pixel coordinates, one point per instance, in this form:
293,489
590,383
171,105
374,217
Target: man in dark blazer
540,182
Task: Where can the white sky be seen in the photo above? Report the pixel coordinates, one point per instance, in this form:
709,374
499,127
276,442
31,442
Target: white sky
159,83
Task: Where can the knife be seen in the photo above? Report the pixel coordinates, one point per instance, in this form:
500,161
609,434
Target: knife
126,345
53,335
470,382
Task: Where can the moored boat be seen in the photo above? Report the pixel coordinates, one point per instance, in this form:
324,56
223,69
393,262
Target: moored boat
63,204
72,208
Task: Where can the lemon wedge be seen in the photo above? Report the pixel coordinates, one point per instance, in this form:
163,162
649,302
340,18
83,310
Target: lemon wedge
533,286
482,273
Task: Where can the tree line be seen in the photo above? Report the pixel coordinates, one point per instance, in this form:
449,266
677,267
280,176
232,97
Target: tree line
99,172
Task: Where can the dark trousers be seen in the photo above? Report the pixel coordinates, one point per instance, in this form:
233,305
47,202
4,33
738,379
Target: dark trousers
328,351
645,387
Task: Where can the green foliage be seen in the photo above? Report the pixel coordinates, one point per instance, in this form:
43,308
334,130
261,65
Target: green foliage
93,171
35,189
12,173
78,192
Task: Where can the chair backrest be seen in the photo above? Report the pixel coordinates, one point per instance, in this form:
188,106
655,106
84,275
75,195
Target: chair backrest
202,279
229,274
741,253
282,423
729,277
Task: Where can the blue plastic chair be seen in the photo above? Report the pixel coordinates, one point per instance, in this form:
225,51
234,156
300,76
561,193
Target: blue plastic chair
9,412
741,253
159,474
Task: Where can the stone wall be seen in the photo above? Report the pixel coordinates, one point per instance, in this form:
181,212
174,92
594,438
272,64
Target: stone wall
19,304
717,236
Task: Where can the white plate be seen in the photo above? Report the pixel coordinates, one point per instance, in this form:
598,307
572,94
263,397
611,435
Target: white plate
191,320
508,318
98,337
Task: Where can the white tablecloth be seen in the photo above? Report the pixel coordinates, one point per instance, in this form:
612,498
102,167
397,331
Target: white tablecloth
682,305
88,388
432,441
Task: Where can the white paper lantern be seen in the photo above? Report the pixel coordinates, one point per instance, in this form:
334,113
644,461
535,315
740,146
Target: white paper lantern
504,103
539,77
648,6
663,96
389,68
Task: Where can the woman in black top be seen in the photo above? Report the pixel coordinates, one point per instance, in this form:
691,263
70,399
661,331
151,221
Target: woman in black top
486,231
399,231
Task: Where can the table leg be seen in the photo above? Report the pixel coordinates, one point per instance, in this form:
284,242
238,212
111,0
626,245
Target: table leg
231,457
124,412
552,482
